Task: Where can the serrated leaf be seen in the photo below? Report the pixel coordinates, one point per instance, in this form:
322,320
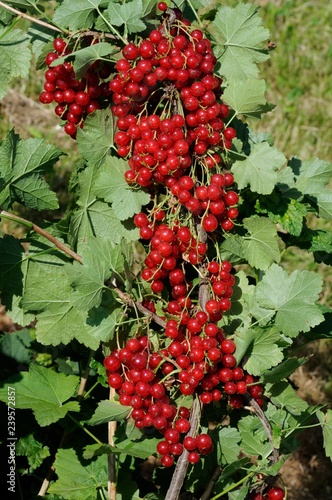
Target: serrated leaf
326,423
284,370
247,98
312,180
231,249
240,36
34,451
16,345
261,247
289,214
95,218
44,392
284,396
254,441
263,352
111,186
229,439
87,56
292,298
321,242
21,165
76,481
15,57
76,15
104,320
107,411
100,260
95,140
128,14
259,169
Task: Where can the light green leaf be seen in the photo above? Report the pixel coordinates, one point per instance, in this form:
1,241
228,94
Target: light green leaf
129,14
292,297
326,422
229,439
15,57
44,392
33,192
16,345
231,249
247,98
95,140
40,36
83,58
76,481
111,185
21,165
261,247
104,320
254,440
34,451
76,15
284,396
263,353
109,410
100,260
259,169
312,180
239,36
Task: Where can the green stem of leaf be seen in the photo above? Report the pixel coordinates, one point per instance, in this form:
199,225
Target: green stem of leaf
123,40
195,13
81,426
233,486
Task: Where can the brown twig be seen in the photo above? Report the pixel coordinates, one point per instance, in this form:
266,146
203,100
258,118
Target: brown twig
266,424
207,493
30,18
182,463
111,457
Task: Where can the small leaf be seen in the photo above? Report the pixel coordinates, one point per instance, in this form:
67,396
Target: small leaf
95,140
84,58
111,185
44,392
34,450
129,14
107,411
259,169
229,439
263,352
284,370
326,423
247,98
76,481
292,297
261,247
15,57
284,396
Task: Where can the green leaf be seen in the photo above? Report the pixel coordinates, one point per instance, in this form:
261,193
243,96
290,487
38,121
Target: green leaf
35,452
231,249
100,260
261,247
87,56
129,14
259,169
40,36
109,410
95,140
288,213
76,481
247,98
16,345
312,180
21,165
284,370
105,319
15,57
229,439
111,186
254,441
284,396
263,353
292,297
240,36
44,392
76,15
326,422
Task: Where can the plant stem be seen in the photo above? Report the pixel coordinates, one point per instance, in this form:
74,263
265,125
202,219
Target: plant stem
81,426
207,493
32,19
42,232
182,464
233,486
111,456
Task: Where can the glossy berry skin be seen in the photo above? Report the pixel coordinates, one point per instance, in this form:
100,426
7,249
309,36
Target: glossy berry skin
275,493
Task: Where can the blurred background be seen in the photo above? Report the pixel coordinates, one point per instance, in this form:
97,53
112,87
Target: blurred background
299,81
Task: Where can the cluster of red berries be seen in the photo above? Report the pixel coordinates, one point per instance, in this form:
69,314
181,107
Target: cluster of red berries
171,129
75,98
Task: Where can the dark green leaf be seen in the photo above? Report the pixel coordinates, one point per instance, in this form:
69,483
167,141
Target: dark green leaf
34,451
95,140
107,411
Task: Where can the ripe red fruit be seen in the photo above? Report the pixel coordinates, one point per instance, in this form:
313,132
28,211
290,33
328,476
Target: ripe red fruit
162,6
275,493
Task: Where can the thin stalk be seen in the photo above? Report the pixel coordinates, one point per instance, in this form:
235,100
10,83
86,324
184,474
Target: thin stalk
32,19
233,486
81,426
